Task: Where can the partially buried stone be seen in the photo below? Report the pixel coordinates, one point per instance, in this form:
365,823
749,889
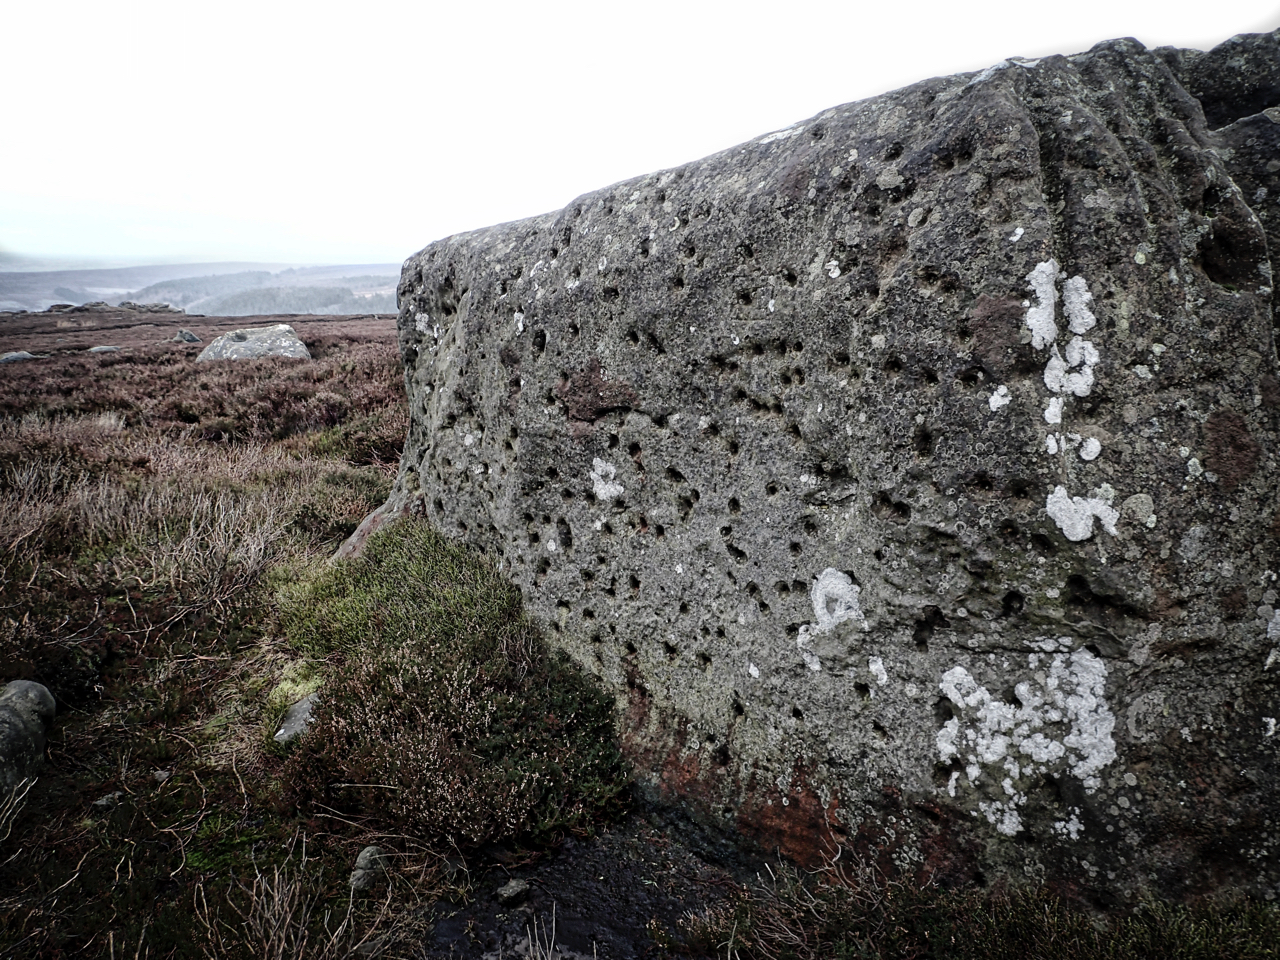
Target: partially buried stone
253,343
104,349
370,865
513,892
296,720
16,356
27,710
186,336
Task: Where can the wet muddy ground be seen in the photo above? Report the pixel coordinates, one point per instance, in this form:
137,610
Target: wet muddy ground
619,895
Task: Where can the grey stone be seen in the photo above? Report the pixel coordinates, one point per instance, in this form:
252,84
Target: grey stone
104,349
278,340
513,892
186,336
109,800
904,473
27,710
16,356
296,719
371,864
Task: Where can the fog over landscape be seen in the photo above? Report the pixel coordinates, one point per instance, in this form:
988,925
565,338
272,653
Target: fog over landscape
225,290
332,139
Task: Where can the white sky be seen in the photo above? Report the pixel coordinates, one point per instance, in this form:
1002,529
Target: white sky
359,132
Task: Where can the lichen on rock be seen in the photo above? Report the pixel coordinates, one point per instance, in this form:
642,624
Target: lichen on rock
804,449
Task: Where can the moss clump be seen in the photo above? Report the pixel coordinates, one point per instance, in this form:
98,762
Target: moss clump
445,713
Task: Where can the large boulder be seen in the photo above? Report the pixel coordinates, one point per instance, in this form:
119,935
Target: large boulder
908,474
26,713
278,340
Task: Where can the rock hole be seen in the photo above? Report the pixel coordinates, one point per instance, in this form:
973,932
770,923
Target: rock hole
610,294
733,448
746,251
1013,603
886,508
704,659
588,614
924,628
924,441
771,489
631,647
674,475
634,582
879,729
738,709
810,527
670,650
893,366
744,298
721,759
894,151
942,772
797,713
971,375
633,336
930,375
795,549
563,534
644,247
540,340
1008,529
817,131
862,690
684,607
789,276
720,633
738,555
1043,543
686,507
677,281
612,589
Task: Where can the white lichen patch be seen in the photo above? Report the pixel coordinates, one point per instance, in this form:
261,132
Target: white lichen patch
1060,723
422,323
835,600
1040,316
999,399
1017,235
875,666
1075,515
602,481
1075,302
1091,449
1073,373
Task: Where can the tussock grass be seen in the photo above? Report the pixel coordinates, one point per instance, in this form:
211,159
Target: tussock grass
446,714
844,912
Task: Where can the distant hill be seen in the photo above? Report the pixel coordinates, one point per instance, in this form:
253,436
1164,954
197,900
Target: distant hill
214,289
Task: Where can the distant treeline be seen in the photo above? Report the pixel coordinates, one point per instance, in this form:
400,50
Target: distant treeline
321,300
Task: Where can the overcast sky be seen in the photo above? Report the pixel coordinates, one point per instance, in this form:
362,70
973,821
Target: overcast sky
356,133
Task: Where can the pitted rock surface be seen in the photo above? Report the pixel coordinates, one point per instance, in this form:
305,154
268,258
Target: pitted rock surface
278,340
908,474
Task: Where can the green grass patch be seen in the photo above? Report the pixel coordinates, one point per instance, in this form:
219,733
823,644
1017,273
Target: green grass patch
445,714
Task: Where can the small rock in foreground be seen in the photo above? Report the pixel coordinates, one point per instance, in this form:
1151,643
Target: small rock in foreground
513,892
186,336
27,710
16,356
296,720
104,349
370,865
